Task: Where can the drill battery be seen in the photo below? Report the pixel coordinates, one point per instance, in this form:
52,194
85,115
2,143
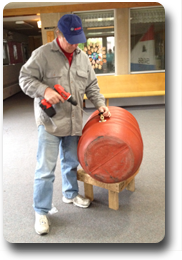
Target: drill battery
47,108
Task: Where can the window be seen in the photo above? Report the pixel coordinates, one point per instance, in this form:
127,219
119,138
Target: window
147,39
99,31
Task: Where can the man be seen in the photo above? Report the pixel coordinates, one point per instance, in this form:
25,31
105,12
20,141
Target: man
59,62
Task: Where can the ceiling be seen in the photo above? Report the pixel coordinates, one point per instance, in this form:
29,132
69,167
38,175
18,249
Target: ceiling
36,4
29,27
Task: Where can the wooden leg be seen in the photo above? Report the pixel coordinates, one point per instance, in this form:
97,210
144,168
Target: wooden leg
131,185
89,191
113,200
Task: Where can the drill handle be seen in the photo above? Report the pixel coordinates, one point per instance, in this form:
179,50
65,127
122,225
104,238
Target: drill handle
44,103
62,92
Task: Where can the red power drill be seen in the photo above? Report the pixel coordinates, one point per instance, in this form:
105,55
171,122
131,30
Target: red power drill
47,107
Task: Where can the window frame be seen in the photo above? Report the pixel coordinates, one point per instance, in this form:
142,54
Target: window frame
145,71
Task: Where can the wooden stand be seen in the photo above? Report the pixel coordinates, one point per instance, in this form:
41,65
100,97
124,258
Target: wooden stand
113,189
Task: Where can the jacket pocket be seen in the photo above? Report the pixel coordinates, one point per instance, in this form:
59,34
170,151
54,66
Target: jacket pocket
82,74
52,78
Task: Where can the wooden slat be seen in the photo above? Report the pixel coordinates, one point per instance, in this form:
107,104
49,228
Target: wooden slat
86,178
75,8
135,94
116,187
135,85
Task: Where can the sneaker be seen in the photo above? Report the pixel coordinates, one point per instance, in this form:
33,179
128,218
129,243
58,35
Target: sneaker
41,224
79,201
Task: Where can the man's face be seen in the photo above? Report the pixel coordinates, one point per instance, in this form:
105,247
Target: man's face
67,46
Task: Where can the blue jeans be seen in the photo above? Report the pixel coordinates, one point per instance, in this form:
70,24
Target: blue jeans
49,147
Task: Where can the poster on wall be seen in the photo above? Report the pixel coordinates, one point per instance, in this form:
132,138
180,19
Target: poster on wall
15,52
96,54
143,54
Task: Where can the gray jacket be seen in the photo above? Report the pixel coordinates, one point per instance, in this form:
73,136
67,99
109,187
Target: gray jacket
48,66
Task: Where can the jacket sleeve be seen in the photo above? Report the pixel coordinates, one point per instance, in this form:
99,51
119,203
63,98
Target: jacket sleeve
31,75
92,90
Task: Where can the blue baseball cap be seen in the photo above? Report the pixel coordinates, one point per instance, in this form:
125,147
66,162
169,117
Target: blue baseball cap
71,27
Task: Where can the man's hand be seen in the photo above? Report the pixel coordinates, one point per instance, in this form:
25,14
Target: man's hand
105,110
52,96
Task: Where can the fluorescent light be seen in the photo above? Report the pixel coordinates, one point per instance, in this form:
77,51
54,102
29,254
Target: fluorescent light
39,24
98,28
88,20
19,22
94,33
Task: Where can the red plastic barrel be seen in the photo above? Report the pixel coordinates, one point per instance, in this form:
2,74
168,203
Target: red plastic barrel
111,151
